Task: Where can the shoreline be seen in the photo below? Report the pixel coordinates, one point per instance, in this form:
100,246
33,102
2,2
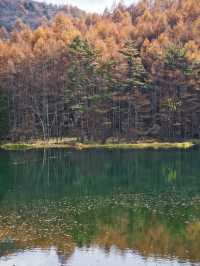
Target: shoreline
54,144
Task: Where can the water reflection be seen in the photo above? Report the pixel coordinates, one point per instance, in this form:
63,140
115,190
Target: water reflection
135,208
86,256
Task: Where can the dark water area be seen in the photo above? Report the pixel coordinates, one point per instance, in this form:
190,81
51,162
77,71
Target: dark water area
99,208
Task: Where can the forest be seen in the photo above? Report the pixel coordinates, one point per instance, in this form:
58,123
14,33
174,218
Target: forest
131,73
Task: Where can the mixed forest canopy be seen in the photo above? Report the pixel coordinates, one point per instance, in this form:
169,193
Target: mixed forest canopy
32,13
130,73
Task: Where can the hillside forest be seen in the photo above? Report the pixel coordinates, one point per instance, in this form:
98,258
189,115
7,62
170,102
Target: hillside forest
128,74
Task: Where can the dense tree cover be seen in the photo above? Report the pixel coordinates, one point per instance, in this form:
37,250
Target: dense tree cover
127,74
32,12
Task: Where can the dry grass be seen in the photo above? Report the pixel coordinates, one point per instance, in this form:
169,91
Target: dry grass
71,143
153,145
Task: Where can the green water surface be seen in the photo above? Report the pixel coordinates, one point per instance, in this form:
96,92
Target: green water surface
99,208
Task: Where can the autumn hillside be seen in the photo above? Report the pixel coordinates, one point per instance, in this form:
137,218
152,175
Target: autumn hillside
131,73
31,12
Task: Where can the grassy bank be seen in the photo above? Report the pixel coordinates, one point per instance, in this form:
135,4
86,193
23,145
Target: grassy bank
72,144
142,145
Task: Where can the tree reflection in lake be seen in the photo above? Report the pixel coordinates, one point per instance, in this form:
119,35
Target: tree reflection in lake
136,205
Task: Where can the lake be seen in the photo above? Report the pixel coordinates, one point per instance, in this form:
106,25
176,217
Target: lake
100,208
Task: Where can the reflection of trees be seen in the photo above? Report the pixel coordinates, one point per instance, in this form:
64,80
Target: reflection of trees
153,226
133,200
54,173
5,174
35,226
